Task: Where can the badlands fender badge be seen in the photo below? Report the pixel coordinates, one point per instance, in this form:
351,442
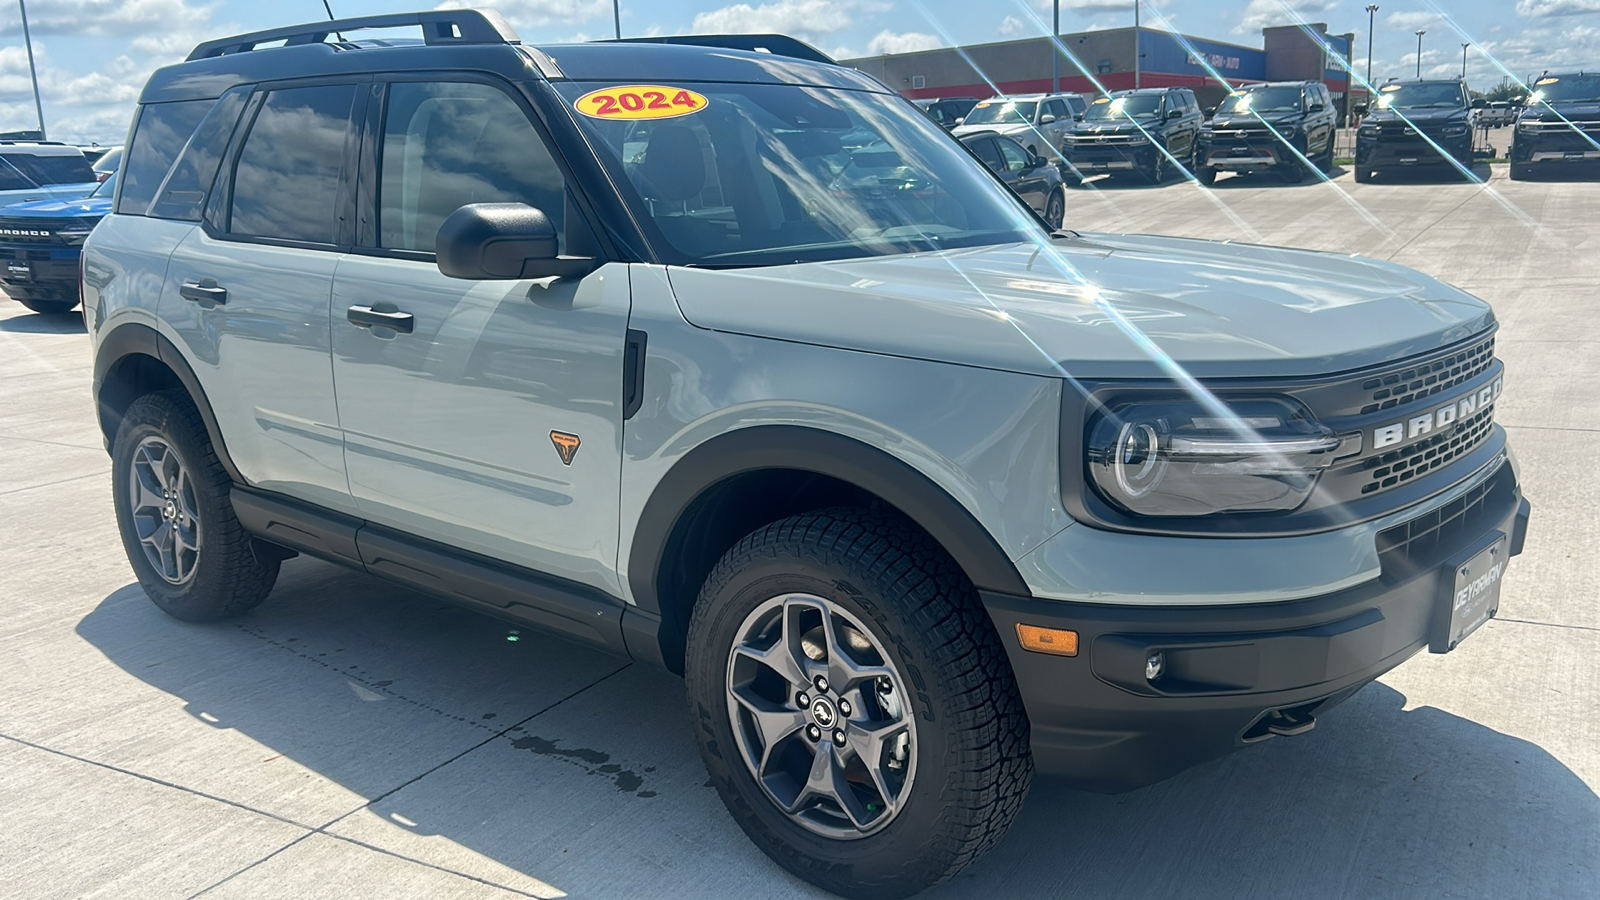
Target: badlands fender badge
566,445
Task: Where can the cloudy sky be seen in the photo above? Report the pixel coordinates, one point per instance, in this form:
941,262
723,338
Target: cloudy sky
94,55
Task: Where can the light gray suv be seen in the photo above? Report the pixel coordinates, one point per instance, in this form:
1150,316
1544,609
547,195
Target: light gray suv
732,362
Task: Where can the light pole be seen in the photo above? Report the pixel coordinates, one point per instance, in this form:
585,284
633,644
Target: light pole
1136,44
38,105
616,16
1371,9
1464,60
1419,54
1055,56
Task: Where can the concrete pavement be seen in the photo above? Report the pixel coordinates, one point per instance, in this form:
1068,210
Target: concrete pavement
353,739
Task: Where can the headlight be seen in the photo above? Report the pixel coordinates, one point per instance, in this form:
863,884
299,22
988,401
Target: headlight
77,235
1455,130
1288,131
1368,131
1182,458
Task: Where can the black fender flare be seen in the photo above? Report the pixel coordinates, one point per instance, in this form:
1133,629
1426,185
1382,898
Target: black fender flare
824,453
134,339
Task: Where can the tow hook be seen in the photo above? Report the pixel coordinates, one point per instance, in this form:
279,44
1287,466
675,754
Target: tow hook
1285,722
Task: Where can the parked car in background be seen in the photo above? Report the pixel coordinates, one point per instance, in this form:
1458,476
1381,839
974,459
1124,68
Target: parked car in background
1561,125
1037,121
1139,131
1498,114
41,170
1417,123
106,165
1275,127
40,243
93,152
1035,179
947,111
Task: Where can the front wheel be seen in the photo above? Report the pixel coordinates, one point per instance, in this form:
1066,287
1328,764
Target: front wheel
853,705
178,526
1055,210
1206,175
1521,172
1364,175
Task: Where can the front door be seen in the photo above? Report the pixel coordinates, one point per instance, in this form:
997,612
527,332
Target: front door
482,415
1030,182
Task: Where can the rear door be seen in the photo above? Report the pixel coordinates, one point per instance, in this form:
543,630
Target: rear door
490,417
247,294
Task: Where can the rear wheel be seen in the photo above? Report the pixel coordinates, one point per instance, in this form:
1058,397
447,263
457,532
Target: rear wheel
853,705
178,527
48,307
1055,209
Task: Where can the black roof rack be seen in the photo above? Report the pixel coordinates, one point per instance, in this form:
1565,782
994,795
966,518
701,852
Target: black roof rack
776,44
450,26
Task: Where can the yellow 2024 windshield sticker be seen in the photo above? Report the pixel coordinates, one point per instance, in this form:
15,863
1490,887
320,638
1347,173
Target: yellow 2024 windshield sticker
640,101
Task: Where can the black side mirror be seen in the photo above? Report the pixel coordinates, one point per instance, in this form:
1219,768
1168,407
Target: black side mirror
1038,162
1480,103
1211,111
1174,113
503,241
1316,107
1077,117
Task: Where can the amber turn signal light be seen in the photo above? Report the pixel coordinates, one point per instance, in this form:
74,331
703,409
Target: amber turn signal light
1054,641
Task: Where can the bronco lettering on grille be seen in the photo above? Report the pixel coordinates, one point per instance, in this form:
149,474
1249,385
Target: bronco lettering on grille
1437,419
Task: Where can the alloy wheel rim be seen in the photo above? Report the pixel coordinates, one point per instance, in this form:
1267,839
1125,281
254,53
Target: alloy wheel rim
821,717
161,498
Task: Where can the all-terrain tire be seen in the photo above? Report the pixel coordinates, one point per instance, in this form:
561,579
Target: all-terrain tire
228,574
972,759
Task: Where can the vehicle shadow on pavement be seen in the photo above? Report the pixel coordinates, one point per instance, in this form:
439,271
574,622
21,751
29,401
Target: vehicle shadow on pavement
1432,175
44,324
597,787
1233,181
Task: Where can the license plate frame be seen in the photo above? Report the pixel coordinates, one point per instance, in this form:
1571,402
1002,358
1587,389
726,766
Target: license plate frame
19,271
1469,593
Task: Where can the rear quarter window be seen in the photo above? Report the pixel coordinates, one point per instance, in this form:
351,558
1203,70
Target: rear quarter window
158,137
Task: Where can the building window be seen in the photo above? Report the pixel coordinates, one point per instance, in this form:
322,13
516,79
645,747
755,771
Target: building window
919,81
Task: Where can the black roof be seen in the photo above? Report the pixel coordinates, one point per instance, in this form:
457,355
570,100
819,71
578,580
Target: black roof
471,41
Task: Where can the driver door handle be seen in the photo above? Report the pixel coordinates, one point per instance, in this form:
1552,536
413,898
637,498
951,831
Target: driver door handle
367,317
204,291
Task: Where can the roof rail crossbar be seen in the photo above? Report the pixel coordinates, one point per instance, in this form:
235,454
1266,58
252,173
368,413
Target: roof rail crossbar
776,44
448,26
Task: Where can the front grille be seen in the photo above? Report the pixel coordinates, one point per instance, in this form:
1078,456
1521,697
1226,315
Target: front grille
27,232
1425,542
1422,381
1423,457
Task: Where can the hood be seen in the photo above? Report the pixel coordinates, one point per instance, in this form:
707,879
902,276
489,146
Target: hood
1219,309
1010,130
1418,116
1575,111
85,207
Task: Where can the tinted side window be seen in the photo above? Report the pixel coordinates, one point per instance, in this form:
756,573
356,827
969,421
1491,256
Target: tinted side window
446,145
286,184
1056,108
13,180
989,153
1016,158
53,169
162,131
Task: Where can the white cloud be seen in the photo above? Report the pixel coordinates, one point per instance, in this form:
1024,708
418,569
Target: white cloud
1012,26
801,17
908,42
524,13
1544,8
1410,21
1267,13
97,17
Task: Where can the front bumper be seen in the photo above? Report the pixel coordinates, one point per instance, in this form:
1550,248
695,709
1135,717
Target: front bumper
1566,144
1413,150
1247,154
1090,158
1237,674
39,271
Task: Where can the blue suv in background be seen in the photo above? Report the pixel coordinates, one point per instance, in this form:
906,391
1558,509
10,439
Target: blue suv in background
40,242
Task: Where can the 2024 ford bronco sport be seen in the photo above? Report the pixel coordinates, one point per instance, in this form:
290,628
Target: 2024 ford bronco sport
734,363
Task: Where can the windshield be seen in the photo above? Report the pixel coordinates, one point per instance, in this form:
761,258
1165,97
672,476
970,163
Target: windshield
775,174
1132,106
1263,100
1567,88
1002,112
1422,95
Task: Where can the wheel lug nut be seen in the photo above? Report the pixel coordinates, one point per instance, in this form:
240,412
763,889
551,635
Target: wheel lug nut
844,707
813,732
820,682
801,700
838,738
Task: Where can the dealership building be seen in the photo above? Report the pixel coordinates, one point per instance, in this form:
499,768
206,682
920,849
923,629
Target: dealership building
1109,58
